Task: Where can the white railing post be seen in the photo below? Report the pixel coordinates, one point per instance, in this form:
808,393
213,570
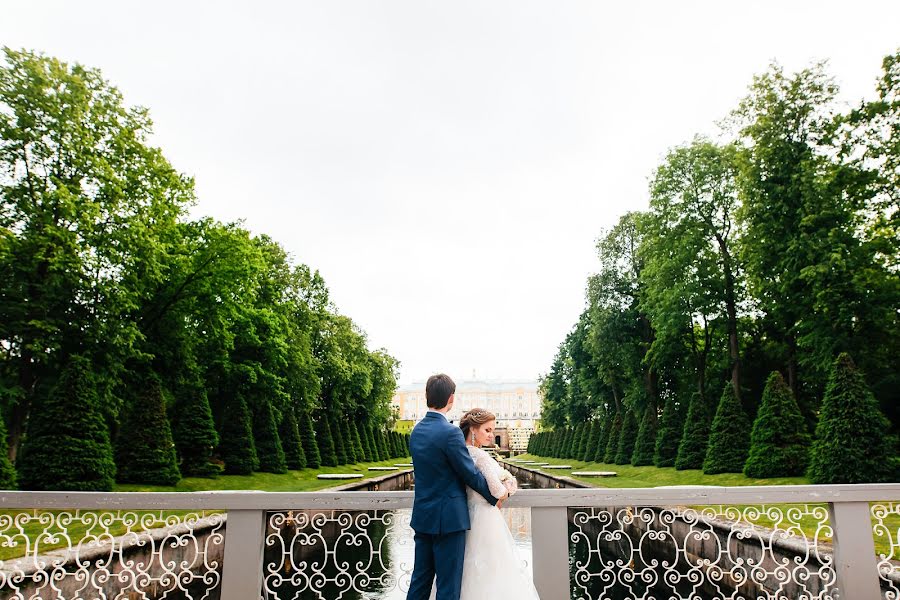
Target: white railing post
854,550
550,551
242,568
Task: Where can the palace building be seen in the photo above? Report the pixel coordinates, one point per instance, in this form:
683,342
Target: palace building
516,403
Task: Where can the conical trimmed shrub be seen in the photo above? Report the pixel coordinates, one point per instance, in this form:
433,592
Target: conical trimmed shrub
396,451
779,442
308,441
612,442
67,446
671,427
852,440
381,440
347,435
627,438
577,441
337,437
7,470
377,456
268,444
695,437
358,451
289,433
602,439
194,432
145,452
729,438
236,445
364,442
590,441
645,443
326,442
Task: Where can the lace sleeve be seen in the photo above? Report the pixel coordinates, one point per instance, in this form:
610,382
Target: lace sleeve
491,471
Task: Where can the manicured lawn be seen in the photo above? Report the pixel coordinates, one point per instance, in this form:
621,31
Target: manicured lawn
646,477
643,477
16,539
292,481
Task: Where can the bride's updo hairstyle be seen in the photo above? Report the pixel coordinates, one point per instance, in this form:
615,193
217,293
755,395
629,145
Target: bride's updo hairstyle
476,416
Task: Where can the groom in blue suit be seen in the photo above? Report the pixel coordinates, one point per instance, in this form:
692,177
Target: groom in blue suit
443,468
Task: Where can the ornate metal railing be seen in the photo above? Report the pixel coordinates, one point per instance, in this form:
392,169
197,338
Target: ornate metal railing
756,542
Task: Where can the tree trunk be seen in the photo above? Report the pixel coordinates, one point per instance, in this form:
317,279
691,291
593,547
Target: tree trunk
731,311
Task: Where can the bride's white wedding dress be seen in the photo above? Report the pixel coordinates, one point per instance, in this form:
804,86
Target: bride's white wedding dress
491,568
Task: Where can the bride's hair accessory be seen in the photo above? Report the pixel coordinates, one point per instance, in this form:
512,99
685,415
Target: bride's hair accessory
476,416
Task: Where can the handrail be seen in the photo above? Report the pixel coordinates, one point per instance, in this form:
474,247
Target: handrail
257,500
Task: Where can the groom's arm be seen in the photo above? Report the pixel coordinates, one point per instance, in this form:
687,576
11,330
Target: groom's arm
461,462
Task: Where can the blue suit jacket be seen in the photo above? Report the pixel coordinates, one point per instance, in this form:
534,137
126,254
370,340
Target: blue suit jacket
443,468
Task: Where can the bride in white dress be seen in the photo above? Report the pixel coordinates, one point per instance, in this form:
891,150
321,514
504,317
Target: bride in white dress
491,568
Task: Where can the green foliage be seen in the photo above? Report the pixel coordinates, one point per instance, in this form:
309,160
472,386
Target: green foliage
268,445
589,447
358,450
308,441
289,434
602,439
646,438
729,438
337,436
377,451
627,438
7,470
779,442
612,442
100,257
365,442
381,441
852,441
326,442
68,447
668,437
144,451
347,438
236,444
194,432
778,250
695,437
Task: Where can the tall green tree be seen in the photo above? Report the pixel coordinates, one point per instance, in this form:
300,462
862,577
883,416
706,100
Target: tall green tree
692,275
86,205
68,446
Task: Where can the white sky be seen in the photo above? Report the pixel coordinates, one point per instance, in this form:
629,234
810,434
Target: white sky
447,166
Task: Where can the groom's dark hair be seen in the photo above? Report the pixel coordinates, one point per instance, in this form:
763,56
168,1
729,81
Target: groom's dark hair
438,390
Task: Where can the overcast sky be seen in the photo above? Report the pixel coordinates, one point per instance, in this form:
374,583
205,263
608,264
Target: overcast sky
447,166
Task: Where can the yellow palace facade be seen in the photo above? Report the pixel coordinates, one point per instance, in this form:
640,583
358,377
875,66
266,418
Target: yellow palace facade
516,403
